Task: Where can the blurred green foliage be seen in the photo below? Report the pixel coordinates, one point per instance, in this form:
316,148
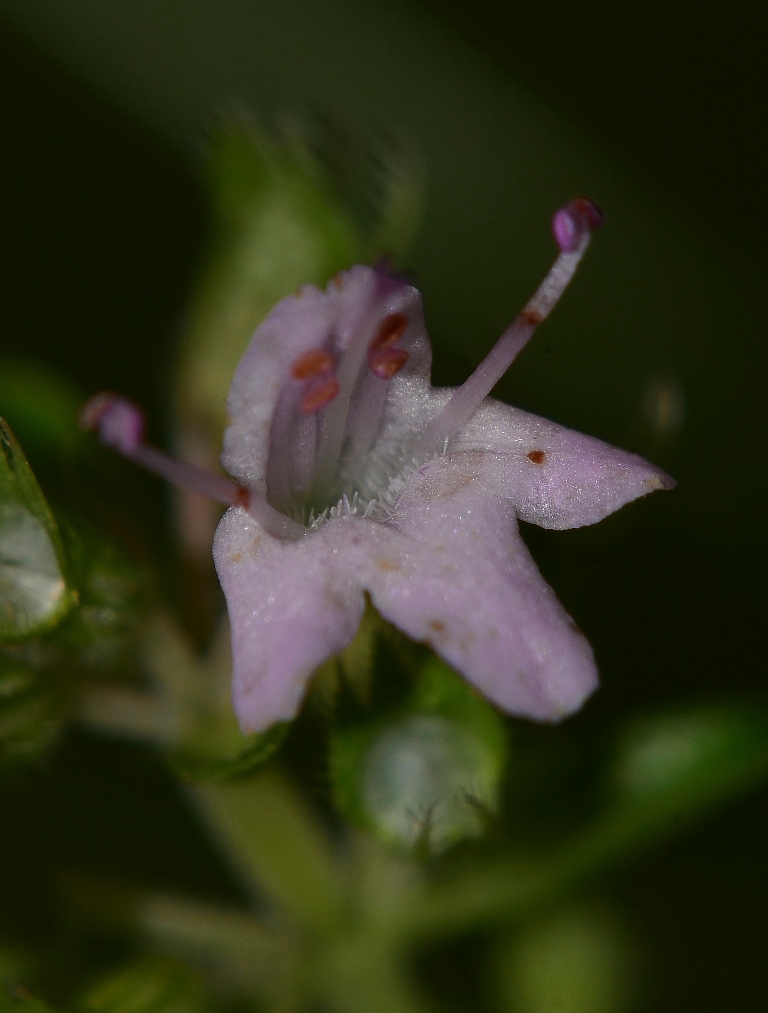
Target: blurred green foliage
146,986
41,405
33,588
579,959
660,346
30,714
284,215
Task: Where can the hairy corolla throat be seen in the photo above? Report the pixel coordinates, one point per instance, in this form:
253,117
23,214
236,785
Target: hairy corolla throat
327,418
330,410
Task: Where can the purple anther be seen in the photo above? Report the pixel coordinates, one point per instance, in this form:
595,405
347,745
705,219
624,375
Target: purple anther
119,422
574,221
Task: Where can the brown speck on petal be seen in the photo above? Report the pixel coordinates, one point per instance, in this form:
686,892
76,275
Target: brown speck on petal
436,626
387,565
537,456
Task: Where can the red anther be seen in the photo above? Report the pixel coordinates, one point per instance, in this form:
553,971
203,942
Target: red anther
319,391
386,362
589,210
391,329
315,362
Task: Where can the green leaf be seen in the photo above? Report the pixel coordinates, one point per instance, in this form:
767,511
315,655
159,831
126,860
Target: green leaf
41,405
281,220
113,593
276,227
692,755
577,960
205,742
33,589
220,751
20,1000
29,714
147,986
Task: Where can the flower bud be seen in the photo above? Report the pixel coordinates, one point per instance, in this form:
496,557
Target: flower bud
33,589
429,776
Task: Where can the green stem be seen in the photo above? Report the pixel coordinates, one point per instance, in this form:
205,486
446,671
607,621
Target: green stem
273,841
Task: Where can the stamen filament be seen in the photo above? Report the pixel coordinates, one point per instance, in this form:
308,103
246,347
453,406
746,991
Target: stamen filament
120,425
187,476
278,474
303,453
365,423
334,419
580,216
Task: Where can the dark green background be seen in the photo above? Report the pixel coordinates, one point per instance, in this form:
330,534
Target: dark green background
660,114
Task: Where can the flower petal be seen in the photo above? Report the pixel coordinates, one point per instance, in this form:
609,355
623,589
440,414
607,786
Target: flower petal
352,305
460,578
297,324
556,477
291,606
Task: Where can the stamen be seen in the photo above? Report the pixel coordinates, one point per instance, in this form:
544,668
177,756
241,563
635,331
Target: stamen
120,425
572,226
390,331
366,415
119,422
384,359
318,392
576,219
302,453
278,472
315,369
386,362
334,424
315,362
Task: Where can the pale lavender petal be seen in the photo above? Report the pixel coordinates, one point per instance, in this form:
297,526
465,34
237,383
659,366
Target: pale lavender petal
556,477
353,304
297,324
291,606
460,578
363,296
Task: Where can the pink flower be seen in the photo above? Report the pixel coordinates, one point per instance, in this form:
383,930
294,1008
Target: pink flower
356,475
